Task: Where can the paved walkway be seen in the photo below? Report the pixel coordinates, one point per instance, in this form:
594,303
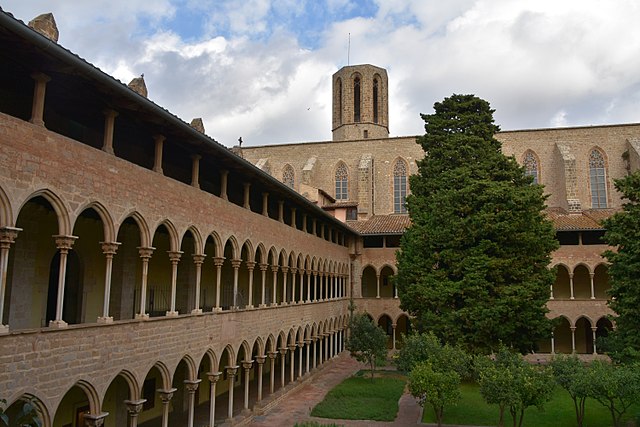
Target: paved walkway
297,406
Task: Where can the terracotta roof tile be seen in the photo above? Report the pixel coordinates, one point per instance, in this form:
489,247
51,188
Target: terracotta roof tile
586,220
381,224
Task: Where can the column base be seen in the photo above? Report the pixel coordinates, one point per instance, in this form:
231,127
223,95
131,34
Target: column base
171,314
284,303
105,320
196,311
217,309
308,301
58,324
274,304
262,305
377,296
250,307
4,329
142,316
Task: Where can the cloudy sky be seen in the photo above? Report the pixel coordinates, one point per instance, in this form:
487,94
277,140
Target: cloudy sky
261,69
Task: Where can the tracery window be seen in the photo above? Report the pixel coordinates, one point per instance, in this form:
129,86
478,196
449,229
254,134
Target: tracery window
399,187
597,180
342,182
356,99
288,176
530,164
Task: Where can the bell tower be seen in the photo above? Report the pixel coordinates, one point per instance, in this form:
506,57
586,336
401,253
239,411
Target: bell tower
360,103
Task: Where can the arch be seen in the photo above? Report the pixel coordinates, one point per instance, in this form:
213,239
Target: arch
192,368
283,259
581,281
357,97
561,286
174,243
377,90
400,173
341,179
235,248
6,213
165,374
601,283
339,101
62,213
271,343
145,234
41,408
197,237
217,244
531,164
261,253
288,176
212,358
369,282
105,216
583,335
245,349
259,343
562,335
250,251
598,178
132,383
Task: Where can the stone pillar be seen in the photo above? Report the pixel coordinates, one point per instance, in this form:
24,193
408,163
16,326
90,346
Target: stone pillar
191,386
551,286
134,407
285,270
315,354
247,195
198,260
593,331
301,296
231,374
37,106
157,162
300,347
224,175
274,269
283,355
7,237
294,270
174,257
218,261
95,420
145,255
265,204
304,222
235,263
292,354
109,250
331,335
260,361
308,348
573,339
593,295
272,367
395,292
246,364
321,349
315,286
109,122
571,285
293,217
195,170
326,346
213,380
553,344
250,266
263,273
394,325
64,244
281,211
308,286
166,396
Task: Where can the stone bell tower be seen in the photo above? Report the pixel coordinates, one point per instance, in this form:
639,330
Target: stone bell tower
360,103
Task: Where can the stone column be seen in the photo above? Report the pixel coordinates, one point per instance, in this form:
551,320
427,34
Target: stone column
134,407
294,270
395,292
285,270
315,286
283,355
263,274
553,344
304,222
95,420
551,289
64,244
213,380
247,195
198,260
281,211
195,170
377,286
321,349
314,224
109,250
218,261
573,339
307,344
314,339
166,396
191,386
231,374
224,175
300,347
331,335
265,204
593,295
292,354
274,269
109,122
235,263
326,345
260,361
394,325
174,257
37,106
308,286
331,285
250,266
7,237
246,364
571,285
293,218
145,255
157,162
593,331
272,374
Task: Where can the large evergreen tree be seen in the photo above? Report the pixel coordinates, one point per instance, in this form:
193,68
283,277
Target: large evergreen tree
473,263
623,233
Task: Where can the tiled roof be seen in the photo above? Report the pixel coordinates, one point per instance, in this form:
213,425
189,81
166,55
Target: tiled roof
340,205
381,224
586,220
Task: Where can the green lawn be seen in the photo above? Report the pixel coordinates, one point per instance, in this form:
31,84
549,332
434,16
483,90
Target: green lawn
472,410
360,398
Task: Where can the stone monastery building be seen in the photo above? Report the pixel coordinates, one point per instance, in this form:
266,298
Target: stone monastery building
150,275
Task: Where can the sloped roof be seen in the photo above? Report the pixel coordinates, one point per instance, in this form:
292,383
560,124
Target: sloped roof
586,220
382,224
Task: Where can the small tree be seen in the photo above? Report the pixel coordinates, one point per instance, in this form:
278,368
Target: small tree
438,388
614,387
426,347
572,375
367,341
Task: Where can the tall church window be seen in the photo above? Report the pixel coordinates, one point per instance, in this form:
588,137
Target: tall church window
375,101
597,180
530,163
399,187
356,99
339,101
288,176
342,182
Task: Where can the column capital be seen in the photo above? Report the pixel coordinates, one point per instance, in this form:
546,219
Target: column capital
235,263
196,157
263,266
145,252
108,112
192,385
198,258
175,256
214,376
274,268
247,364
260,359
134,406
573,328
283,350
232,370
284,269
308,341
95,420
293,347
218,261
8,235
109,248
64,243
250,264
166,394
594,328
40,77
159,138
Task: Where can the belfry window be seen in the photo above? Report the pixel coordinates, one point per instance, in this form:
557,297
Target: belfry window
399,187
356,99
288,176
342,182
530,164
339,101
597,180
375,101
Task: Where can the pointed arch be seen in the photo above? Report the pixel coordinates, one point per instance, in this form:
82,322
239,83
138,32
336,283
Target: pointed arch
6,213
288,176
192,368
61,210
197,238
105,216
341,178
400,173
174,243
217,244
41,408
211,356
261,253
92,395
143,226
531,164
235,248
598,178
132,384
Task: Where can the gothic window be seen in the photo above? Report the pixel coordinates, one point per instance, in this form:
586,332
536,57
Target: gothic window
399,187
342,182
356,99
597,180
375,100
530,163
339,101
288,176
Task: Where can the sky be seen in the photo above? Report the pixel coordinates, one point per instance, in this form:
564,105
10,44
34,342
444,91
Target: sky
261,69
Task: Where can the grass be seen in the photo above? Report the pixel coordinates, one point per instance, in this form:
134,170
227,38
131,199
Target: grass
360,398
472,410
